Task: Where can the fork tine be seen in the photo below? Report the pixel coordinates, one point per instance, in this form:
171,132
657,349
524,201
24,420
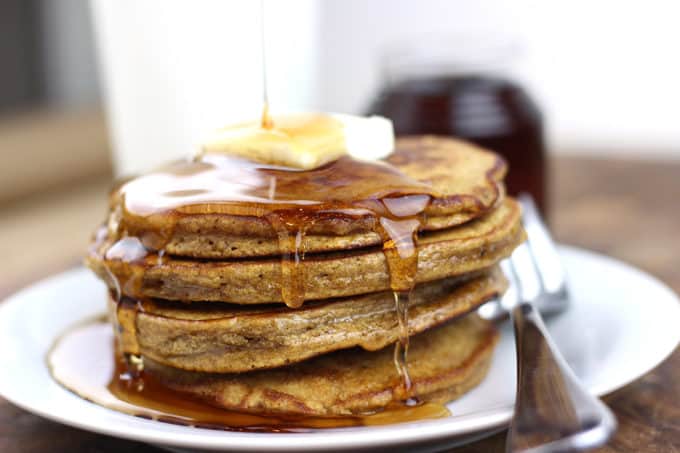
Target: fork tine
534,270
526,274
511,297
542,247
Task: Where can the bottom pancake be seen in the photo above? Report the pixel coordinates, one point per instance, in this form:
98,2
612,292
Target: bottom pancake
443,363
227,338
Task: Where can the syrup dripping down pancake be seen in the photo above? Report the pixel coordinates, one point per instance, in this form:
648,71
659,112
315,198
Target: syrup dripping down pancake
470,247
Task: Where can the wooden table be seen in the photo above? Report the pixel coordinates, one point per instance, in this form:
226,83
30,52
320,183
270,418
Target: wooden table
627,209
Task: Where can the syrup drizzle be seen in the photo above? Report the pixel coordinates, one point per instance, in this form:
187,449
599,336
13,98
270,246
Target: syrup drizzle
290,236
398,227
266,121
401,305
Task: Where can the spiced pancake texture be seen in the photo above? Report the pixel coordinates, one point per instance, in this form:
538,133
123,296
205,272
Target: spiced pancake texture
470,247
224,338
337,286
444,363
462,180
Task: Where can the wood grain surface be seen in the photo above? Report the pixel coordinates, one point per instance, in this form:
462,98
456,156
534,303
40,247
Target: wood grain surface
626,209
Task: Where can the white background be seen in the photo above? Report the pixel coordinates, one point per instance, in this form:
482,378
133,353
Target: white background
605,72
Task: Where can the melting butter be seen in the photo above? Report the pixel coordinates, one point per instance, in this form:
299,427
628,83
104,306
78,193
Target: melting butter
305,141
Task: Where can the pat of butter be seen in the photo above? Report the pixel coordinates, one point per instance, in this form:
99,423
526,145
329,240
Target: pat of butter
306,140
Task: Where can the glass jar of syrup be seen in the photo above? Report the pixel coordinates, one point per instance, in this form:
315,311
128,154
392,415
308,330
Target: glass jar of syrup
460,86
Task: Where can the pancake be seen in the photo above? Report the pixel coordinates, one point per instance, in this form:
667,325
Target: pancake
465,182
471,247
225,338
444,363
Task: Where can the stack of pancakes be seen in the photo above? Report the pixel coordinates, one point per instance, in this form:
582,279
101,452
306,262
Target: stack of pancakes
201,287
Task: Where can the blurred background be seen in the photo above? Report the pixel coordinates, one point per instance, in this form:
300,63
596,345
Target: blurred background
89,89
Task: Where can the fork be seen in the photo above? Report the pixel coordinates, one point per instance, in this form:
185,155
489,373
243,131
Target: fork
553,411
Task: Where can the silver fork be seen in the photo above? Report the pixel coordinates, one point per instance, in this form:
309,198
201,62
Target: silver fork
555,296
553,412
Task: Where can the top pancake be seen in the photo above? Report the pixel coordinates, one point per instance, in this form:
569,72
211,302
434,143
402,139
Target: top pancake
464,180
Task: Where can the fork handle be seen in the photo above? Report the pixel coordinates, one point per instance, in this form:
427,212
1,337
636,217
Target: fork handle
553,412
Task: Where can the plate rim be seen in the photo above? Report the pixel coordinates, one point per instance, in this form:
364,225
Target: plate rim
342,438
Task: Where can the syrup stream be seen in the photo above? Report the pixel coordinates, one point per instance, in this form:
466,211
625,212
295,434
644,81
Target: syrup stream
266,121
401,305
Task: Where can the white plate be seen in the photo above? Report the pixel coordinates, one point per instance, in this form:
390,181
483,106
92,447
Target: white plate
622,323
